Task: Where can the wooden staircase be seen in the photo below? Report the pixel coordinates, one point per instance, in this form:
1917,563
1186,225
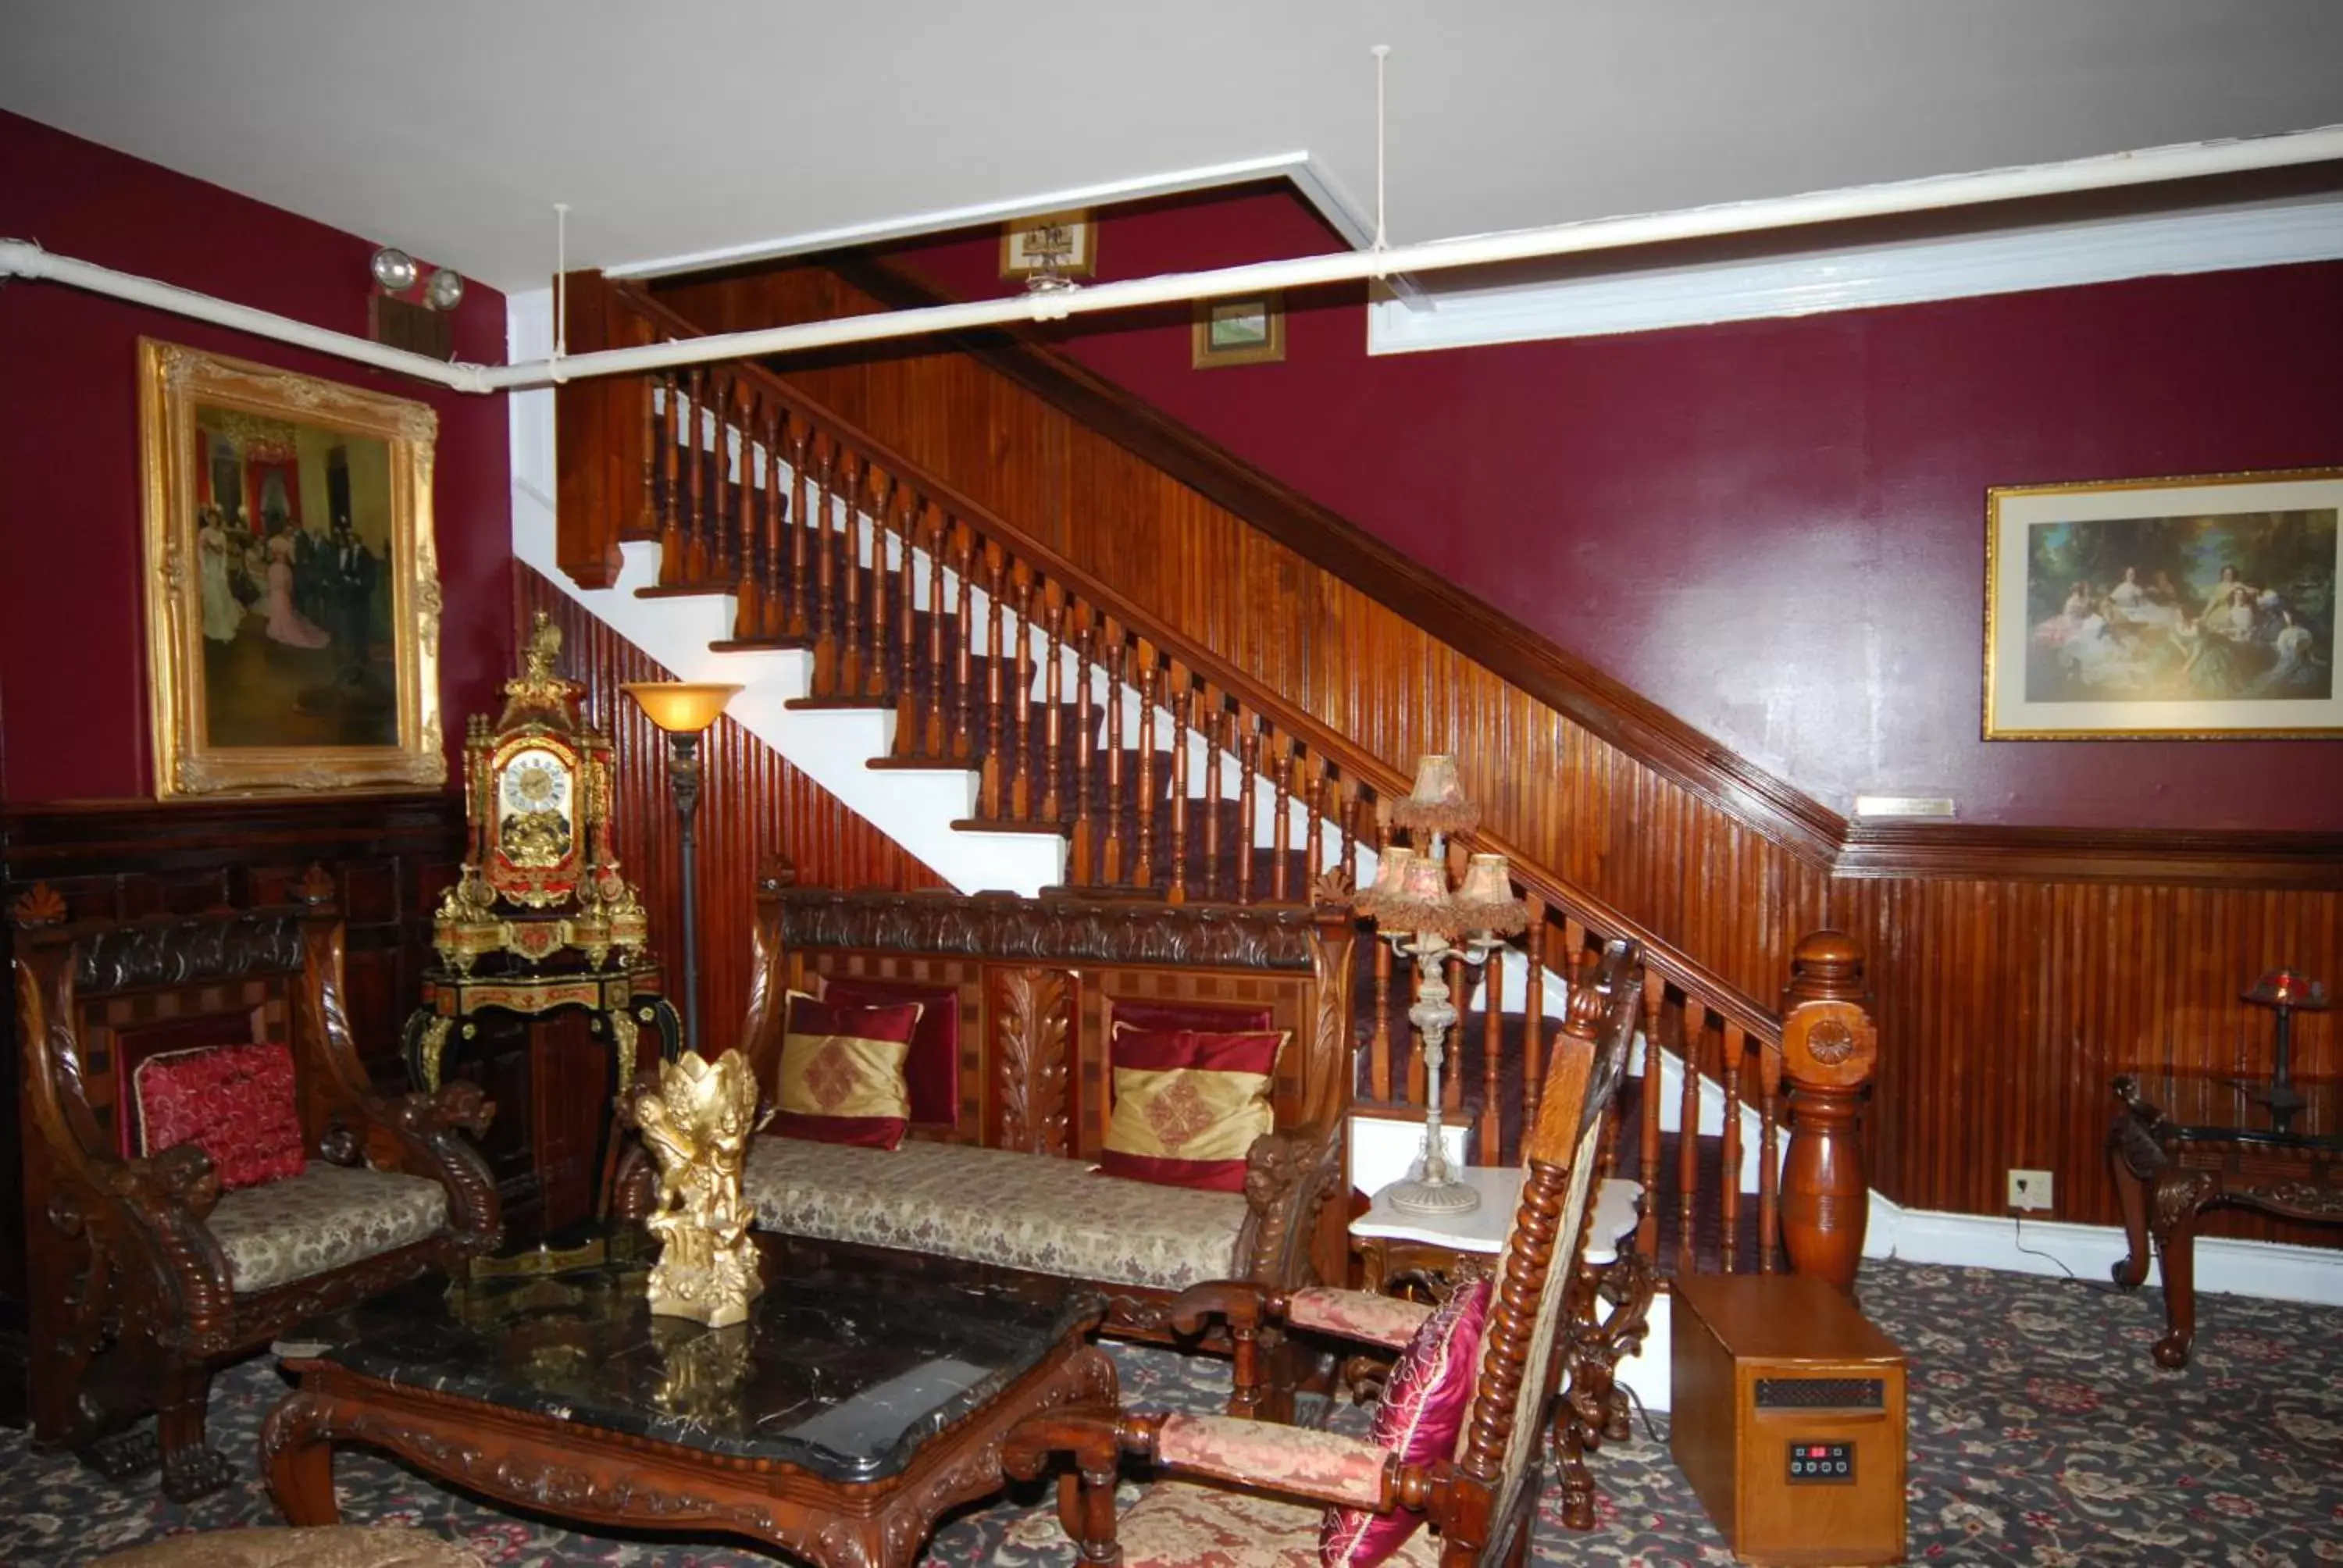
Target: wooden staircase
1164,772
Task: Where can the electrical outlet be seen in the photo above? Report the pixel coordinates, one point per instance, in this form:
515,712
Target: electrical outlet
2029,1188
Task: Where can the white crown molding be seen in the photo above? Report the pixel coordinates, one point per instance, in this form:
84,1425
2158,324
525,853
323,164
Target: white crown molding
1308,175
1862,276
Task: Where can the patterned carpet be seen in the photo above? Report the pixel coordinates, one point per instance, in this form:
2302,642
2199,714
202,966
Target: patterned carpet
2041,1434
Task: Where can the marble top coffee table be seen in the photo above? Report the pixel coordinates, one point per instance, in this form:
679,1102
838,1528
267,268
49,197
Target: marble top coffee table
861,1401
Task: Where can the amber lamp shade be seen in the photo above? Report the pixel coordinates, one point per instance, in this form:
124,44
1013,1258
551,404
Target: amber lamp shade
1437,803
2288,988
680,707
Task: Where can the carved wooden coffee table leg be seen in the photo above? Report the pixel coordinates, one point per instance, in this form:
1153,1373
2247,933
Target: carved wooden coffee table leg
2179,1195
297,1454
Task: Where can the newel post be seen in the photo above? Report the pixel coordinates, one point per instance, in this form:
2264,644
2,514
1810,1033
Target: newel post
600,438
1829,1047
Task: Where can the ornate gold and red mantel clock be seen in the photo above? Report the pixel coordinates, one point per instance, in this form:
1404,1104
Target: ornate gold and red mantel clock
540,918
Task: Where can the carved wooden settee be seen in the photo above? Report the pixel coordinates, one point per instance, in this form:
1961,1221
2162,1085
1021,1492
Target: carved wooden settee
997,1166
144,1273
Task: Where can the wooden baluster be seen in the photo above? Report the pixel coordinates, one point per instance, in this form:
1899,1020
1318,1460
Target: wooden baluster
1692,1040
1533,1014
654,420
777,520
995,731
1054,696
1379,1059
852,671
1346,811
1280,826
748,607
1769,1160
719,474
963,742
888,585
688,558
1730,1212
1492,1047
799,623
1216,718
907,628
1452,1082
670,463
1149,688
1112,635
1020,788
1249,773
1647,1236
932,742
1082,847
836,468
1313,807
1183,697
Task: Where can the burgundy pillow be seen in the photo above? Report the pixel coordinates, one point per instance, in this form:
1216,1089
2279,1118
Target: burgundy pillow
1189,1105
841,1074
931,1071
235,1102
1204,1017
1423,1410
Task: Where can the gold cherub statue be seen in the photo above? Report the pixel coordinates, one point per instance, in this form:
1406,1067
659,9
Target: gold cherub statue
696,1118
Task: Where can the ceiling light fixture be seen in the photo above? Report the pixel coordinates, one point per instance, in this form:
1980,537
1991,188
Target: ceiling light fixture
395,270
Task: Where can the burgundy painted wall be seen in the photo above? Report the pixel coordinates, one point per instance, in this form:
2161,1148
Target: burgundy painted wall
1774,530
73,659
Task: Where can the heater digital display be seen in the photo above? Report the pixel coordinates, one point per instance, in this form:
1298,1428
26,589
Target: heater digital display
1821,1463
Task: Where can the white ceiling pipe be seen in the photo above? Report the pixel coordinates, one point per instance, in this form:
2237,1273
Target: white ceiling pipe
22,258
2189,161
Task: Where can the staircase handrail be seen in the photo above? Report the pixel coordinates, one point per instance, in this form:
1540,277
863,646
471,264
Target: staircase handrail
1680,969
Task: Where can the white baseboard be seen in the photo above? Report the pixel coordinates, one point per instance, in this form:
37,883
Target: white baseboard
2055,1247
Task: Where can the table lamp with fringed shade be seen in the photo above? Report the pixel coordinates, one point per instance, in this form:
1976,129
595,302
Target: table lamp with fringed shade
1424,920
2286,992
684,709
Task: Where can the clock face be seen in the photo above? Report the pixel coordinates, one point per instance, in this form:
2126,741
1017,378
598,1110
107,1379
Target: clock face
536,809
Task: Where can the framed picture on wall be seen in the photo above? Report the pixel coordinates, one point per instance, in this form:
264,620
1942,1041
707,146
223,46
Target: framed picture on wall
1246,330
1064,244
292,585
2182,609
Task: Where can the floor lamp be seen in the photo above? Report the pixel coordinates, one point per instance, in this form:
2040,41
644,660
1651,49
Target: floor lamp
684,708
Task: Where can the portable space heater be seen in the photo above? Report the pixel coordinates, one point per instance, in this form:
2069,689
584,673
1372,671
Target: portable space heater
1787,1418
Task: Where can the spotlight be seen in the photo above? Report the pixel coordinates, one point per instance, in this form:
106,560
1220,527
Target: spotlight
446,289
396,270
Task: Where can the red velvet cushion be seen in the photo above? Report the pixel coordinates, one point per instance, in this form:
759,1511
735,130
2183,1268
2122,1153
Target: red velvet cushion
842,1073
1423,1407
1189,1105
233,1102
931,1071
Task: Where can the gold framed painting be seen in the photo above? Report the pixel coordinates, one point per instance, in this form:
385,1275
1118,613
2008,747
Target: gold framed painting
1247,330
1062,243
292,584
2200,608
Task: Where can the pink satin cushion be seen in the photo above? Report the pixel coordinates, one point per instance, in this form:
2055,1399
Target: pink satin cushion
1423,1407
235,1102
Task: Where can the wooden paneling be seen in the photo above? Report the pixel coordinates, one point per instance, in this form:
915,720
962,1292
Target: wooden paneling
2013,970
753,807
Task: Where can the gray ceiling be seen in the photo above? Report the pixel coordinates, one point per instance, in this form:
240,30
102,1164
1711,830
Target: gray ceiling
448,126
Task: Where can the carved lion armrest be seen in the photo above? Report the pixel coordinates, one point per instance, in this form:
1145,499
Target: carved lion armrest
1289,1176
434,1136
162,1201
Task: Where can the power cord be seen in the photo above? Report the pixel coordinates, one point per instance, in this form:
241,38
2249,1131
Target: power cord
2019,1220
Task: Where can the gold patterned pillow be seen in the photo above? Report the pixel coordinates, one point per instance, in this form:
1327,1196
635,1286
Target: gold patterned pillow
841,1077
1188,1105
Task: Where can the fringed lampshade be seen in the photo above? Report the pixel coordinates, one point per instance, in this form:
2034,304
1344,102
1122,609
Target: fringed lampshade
1437,803
1391,869
1421,902
1486,902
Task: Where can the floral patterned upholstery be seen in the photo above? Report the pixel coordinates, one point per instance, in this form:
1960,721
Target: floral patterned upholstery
1358,1315
1176,1525
327,1217
1265,1453
1032,1211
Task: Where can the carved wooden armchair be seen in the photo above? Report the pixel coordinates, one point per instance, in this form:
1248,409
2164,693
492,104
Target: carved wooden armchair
1273,1484
144,1273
